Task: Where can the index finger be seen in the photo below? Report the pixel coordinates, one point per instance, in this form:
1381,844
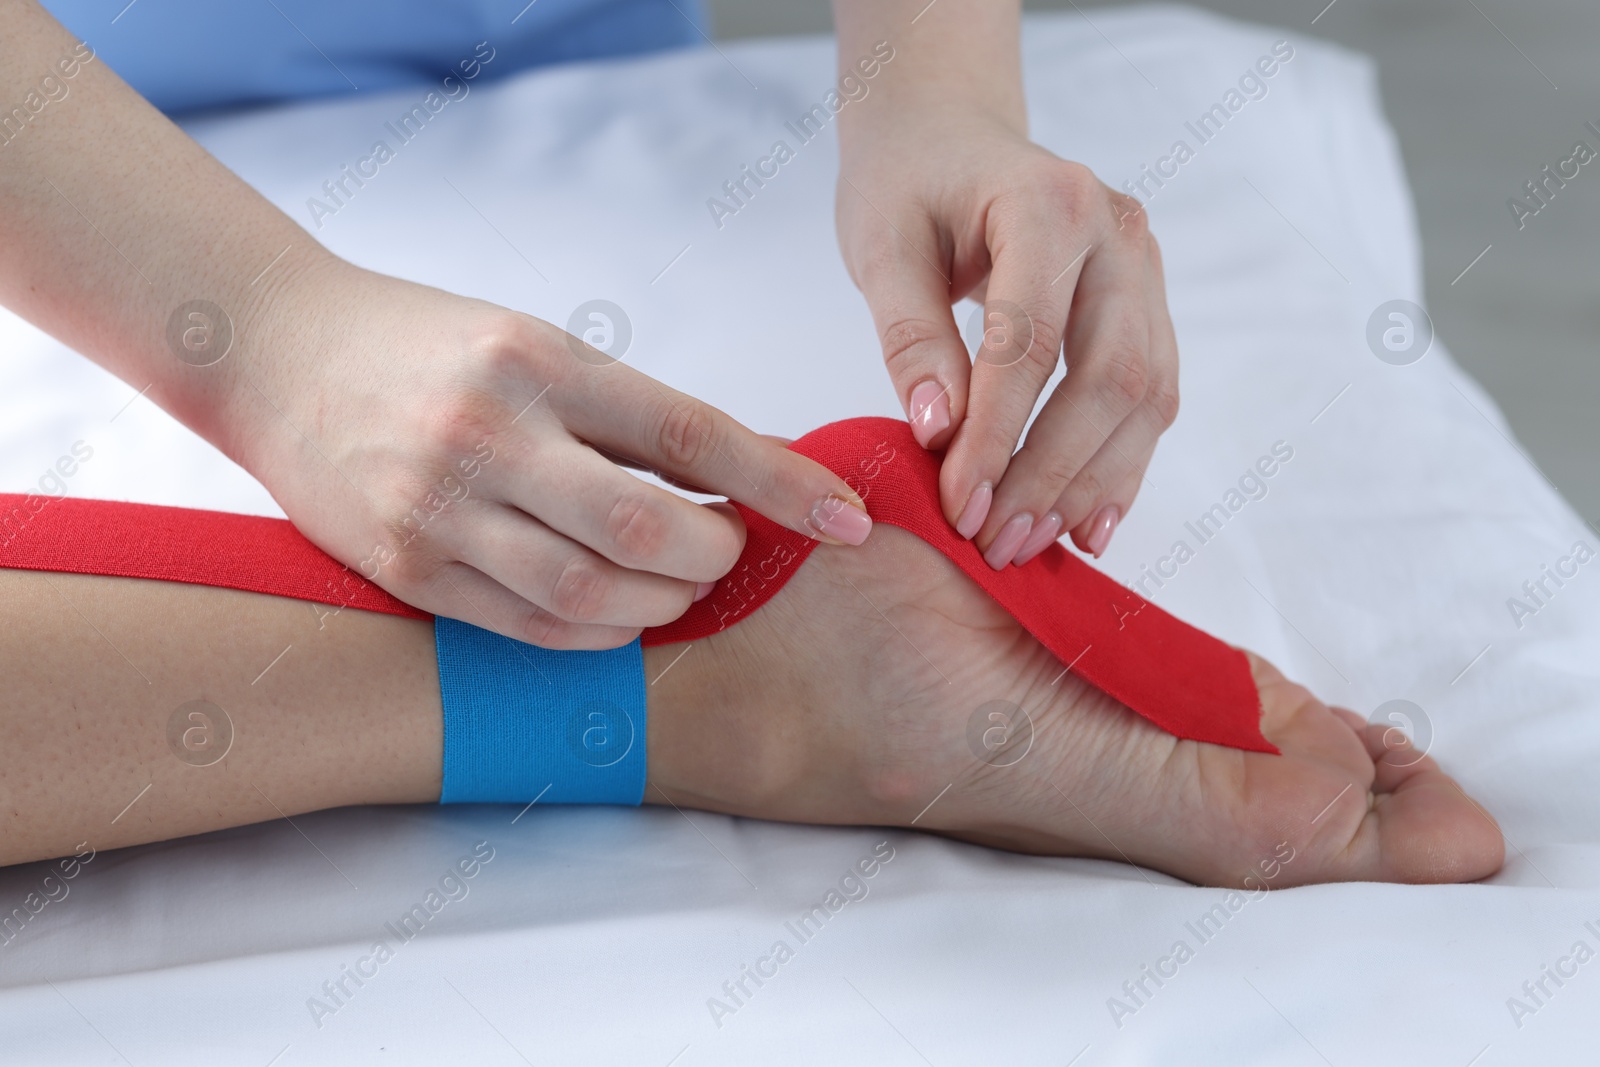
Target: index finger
632,415
1024,319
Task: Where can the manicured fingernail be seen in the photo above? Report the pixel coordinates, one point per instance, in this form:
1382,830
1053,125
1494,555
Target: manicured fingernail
930,411
1011,536
838,520
1043,536
977,509
703,590
1101,527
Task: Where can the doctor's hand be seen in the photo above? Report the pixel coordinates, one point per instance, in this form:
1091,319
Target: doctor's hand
463,457
941,195
459,455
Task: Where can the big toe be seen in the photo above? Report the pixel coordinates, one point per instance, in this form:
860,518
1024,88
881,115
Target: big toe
1398,816
1422,827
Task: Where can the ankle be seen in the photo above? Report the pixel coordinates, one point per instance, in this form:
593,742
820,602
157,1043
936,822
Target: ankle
711,746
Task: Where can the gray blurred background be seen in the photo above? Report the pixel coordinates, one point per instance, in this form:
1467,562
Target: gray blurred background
1483,94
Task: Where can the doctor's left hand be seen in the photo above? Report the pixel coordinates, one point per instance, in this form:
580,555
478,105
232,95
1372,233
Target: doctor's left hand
941,195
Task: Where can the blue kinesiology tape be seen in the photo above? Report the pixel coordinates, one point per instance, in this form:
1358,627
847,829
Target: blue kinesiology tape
524,723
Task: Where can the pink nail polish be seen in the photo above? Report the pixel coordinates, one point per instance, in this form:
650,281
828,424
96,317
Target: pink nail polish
836,519
977,509
703,590
1101,527
1043,536
1011,536
930,411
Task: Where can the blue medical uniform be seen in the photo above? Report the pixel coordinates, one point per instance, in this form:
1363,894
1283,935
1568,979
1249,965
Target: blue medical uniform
188,55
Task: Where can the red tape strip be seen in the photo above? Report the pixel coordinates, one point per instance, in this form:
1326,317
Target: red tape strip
1180,678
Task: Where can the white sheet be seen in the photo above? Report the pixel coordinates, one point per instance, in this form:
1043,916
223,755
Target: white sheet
1387,548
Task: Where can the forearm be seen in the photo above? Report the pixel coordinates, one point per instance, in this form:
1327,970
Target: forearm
111,218
306,708
950,54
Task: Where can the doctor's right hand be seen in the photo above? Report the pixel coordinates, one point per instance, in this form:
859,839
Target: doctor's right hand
465,458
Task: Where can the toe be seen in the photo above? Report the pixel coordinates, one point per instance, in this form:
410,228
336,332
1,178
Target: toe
1353,720
1420,826
1428,830
1394,757
1395,816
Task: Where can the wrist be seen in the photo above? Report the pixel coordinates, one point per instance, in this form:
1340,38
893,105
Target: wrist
281,325
950,63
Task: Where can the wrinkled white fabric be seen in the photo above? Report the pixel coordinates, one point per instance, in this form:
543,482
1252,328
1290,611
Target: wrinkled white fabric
1378,566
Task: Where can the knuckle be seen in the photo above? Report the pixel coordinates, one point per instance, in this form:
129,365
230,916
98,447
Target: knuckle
1044,347
1049,469
637,528
463,422
507,355
1162,397
905,340
412,566
1133,222
503,342
991,447
683,433
1057,471
539,627
1089,487
580,591
1066,178
1080,497
1123,374
1068,184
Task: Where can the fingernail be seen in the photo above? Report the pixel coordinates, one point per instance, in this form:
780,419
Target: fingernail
839,520
1101,527
930,411
703,590
1042,537
1005,546
977,509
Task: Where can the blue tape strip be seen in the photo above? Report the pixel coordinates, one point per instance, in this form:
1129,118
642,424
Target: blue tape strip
523,722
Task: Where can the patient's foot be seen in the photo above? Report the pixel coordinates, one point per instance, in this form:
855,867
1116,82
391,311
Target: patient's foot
867,690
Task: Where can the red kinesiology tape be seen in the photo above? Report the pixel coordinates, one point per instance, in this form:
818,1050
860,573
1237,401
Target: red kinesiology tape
1180,678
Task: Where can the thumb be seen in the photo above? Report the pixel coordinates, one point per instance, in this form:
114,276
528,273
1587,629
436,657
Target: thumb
922,349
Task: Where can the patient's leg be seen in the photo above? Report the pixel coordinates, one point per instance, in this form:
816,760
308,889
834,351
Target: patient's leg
860,694
93,669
